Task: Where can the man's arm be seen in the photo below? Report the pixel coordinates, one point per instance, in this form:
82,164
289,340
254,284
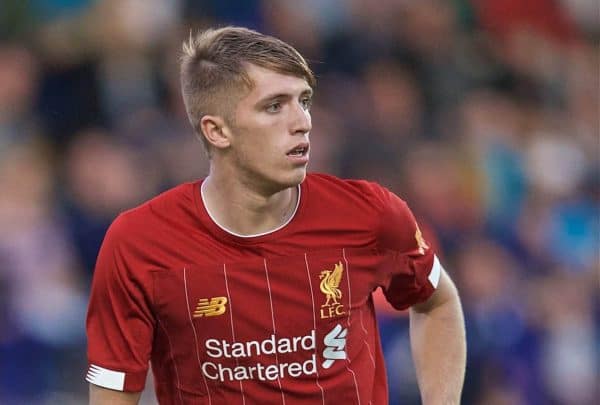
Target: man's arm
438,345
104,396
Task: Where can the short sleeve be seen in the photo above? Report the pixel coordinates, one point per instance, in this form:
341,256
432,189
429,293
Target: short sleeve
119,324
413,270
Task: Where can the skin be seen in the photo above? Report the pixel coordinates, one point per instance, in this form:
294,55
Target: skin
252,188
103,396
252,183
438,343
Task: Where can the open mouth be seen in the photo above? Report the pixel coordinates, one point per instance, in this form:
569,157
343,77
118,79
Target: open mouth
299,151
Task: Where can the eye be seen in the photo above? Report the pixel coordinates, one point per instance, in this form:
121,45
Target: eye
274,107
306,102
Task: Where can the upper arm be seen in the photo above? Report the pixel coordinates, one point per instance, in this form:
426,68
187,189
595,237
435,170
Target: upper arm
445,292
103,396
415,270
120,321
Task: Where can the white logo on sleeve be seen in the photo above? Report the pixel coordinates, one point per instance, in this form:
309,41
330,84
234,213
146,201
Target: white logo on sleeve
335,342
103,377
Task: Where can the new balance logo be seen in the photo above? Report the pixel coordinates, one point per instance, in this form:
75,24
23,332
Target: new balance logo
216,306
335,342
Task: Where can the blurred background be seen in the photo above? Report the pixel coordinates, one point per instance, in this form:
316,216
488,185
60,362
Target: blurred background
481,114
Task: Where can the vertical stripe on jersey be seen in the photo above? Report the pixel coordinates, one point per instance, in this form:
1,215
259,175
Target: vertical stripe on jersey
187,300
172,359
274,330
349,311
366,335
362,325
312,300
237,362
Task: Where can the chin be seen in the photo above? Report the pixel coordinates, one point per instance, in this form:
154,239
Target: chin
298,177
290,179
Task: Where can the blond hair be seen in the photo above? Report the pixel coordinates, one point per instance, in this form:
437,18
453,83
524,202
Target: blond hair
213,71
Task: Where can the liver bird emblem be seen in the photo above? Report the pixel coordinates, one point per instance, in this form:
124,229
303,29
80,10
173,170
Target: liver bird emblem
420,241
330,282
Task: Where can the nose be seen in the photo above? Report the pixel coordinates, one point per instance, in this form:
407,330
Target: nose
301,122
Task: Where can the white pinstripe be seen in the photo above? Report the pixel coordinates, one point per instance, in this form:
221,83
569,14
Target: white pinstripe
172,359
237,363
187,300
365,340
274,330
349,310
312,300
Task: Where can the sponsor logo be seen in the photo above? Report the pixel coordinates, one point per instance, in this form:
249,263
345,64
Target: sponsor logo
216,306
330,282
420,241
335,345
222,349
256,359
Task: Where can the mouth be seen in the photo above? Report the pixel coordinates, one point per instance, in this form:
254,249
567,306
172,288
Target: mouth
299,151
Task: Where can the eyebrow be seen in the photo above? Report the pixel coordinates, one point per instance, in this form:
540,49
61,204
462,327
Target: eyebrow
283,96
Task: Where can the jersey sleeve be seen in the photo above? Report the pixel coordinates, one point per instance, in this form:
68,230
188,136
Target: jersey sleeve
119,324
413,271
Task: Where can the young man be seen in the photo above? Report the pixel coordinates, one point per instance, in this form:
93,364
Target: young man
253,286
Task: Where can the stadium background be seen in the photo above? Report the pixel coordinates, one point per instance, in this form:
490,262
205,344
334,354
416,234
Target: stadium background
482,114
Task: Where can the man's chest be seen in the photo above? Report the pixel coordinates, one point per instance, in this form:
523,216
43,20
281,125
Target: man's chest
307,312
283,294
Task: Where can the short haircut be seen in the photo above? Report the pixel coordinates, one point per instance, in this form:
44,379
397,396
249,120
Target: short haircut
213,69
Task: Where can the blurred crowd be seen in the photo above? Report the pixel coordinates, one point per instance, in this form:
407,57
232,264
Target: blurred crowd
481,114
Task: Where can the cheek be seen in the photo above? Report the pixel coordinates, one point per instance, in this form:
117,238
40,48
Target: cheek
256,147
260,139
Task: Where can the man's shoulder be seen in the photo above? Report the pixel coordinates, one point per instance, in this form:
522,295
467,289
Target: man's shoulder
351,190
156,233
330,180
172,205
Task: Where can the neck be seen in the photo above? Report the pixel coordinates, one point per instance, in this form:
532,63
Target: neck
244,208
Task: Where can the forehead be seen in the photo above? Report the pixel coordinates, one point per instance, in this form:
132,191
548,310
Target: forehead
267,82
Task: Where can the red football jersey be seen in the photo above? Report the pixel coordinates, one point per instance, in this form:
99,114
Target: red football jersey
283,317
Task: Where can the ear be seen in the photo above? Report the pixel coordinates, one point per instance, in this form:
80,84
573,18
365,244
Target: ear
214,129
